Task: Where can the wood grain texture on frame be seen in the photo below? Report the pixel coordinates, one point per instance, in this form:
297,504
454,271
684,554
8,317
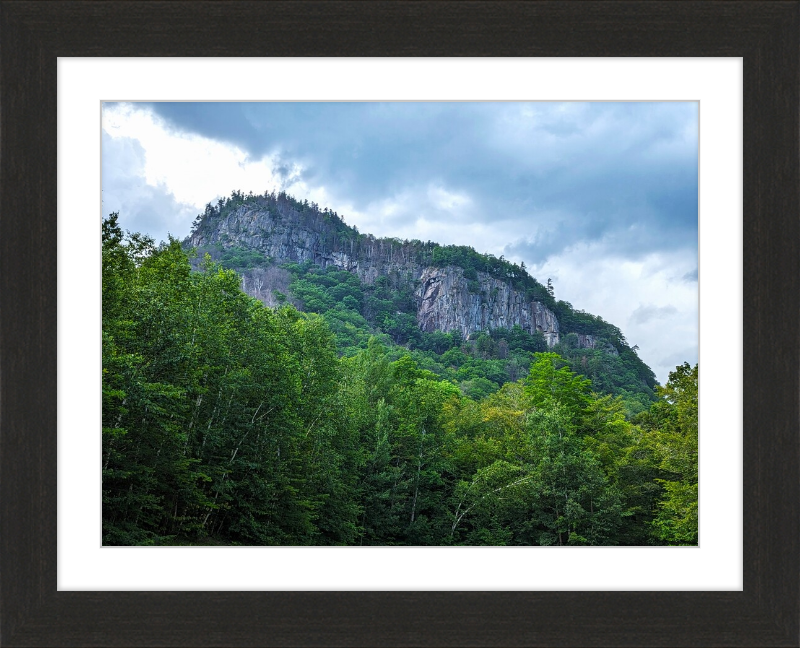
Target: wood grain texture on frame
34,34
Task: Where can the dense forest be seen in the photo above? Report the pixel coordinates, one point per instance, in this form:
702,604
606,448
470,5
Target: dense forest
227,422
479,365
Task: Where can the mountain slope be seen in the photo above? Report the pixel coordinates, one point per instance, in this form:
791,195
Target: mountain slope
414,292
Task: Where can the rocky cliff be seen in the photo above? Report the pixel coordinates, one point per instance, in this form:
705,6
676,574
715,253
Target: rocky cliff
447,301
291,237
447,297
582,341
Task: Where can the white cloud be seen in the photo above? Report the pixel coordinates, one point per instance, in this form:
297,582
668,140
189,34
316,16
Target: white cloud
616,289
428,213
193,170
143,207
448,201
649,312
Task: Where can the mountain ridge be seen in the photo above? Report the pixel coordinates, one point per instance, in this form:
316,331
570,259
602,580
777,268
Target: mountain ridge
287,250
500,295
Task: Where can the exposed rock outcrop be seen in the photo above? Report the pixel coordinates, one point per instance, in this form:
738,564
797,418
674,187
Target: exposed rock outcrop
447,301
590,342
259,229
285,239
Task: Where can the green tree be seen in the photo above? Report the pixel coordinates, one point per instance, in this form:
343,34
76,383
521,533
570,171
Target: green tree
572,502
550,384
675,414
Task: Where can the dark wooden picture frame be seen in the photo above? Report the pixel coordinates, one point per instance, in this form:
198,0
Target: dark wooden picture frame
764,34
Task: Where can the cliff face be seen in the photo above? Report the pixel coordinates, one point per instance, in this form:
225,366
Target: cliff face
286,238
590,342
447,301
261,230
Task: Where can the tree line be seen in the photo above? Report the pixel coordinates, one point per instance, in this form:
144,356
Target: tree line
228,422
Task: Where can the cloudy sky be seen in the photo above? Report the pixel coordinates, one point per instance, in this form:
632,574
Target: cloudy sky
599,197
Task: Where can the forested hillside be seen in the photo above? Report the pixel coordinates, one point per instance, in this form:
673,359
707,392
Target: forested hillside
470,318
229,422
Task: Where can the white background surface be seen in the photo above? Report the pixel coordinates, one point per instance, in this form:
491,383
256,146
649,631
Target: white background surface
83,564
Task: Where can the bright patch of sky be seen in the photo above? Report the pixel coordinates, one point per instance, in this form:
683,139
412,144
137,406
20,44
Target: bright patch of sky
599,197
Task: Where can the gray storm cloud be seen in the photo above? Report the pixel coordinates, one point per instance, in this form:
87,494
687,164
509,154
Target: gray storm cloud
625,173
538,182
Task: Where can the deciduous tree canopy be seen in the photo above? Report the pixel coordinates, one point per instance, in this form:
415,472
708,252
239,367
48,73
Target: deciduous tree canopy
229,422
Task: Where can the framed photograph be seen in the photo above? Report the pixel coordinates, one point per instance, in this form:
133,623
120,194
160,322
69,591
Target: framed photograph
59,586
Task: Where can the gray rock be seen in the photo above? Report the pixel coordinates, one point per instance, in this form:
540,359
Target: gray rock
445,299
445,303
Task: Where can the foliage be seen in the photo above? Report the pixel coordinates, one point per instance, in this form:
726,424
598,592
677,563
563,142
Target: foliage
226,422
387,308
673,420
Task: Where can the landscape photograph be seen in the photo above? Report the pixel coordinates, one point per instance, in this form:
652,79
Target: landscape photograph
400,324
